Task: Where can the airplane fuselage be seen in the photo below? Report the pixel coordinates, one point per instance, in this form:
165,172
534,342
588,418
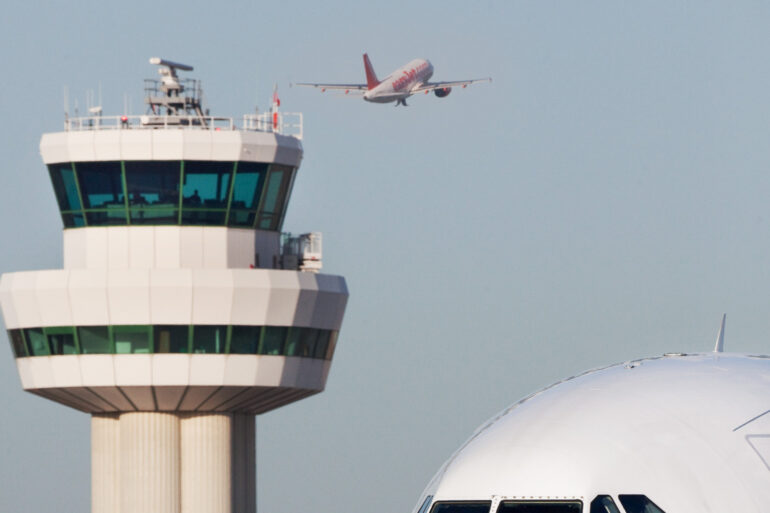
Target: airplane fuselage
399,84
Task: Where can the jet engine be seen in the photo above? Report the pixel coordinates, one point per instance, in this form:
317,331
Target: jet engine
442,92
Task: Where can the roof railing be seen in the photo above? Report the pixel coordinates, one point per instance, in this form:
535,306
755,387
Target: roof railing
285,123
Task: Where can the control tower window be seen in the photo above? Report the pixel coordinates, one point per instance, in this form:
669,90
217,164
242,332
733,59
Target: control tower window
603,504
205,192
171,339
275,195
638,504
461,507
65,186
247,190
153,191
131,339
94,340
176,338
572,506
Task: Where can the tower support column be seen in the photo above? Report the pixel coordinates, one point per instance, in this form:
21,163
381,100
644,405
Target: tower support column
105,463
244,464
206,451
149,463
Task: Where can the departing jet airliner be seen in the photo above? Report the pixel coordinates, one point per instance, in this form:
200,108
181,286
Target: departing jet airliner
399,85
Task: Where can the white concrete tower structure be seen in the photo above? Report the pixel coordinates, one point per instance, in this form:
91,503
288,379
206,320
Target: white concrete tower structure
181,311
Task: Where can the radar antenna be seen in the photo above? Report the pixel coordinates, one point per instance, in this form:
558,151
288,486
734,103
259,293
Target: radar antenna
169,96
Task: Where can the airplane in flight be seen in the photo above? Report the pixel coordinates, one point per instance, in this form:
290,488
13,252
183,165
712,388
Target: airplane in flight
413,78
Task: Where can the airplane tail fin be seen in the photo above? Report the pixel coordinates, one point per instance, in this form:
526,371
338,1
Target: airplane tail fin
371,76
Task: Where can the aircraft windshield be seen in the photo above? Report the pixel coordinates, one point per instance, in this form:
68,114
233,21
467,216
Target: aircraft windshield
462,507
638,504
540,507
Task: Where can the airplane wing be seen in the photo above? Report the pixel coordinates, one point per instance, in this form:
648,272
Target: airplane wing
346,87
430,86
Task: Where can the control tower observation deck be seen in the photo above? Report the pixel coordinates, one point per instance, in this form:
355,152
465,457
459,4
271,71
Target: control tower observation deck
181,311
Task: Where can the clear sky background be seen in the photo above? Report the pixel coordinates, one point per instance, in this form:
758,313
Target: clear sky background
606,197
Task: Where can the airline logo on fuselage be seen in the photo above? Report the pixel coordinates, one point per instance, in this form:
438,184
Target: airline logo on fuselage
408,76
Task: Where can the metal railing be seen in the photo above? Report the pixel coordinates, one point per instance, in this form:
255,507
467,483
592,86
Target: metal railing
285,123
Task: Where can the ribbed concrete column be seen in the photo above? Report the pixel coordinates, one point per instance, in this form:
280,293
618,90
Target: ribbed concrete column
244,464
206,463
149,462
105,463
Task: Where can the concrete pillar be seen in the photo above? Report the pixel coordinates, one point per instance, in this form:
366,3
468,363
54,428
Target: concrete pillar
105,463
206,443
149,463
244,450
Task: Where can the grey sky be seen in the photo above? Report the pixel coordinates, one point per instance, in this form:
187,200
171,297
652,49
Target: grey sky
604,198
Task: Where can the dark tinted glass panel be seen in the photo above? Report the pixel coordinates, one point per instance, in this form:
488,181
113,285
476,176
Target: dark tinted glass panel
153,191
209,339
37,342
94,340
603,504
61,340
241,218
112,215
332,344
301,342
245,339
206,184
17,342
64,186
101,184
275,194
540,507
248,185
461,507
274,340
638,504
322,344
73,220
171,339
131,339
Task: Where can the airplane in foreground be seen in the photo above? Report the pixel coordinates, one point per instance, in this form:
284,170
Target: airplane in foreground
680,433
399,85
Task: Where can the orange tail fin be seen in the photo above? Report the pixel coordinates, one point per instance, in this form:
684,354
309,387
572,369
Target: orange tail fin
371,76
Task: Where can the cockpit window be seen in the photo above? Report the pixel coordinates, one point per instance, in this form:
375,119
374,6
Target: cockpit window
540,507
462,507
638,504
603,504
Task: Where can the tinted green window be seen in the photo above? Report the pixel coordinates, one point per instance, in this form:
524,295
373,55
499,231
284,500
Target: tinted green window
248,185
209,339
322,344
153,191
247,189
17,343
61,340
301,342
65,186
37,342
171,339
73,220
94,340
332,344
272,206
540,507
462,507
245,339
274,340
101,185
131,339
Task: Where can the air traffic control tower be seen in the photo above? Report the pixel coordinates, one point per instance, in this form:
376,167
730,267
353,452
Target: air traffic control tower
182,311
